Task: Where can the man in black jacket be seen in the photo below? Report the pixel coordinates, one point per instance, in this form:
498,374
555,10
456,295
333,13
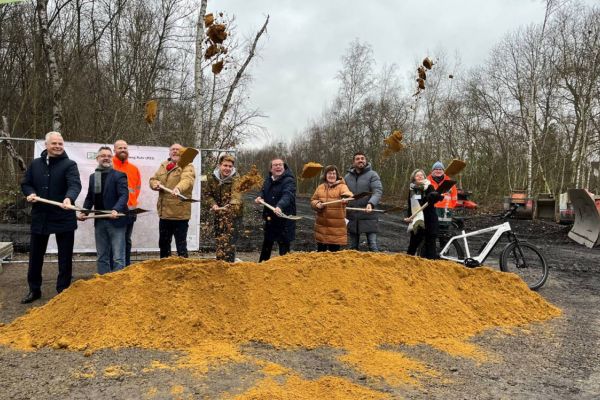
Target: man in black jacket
52,176
108,191
279,190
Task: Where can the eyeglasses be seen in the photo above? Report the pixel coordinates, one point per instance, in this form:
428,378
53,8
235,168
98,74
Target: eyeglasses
277,165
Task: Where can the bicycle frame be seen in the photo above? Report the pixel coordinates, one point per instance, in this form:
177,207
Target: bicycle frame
499,231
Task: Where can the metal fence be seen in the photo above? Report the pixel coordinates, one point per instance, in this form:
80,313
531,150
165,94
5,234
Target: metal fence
15,212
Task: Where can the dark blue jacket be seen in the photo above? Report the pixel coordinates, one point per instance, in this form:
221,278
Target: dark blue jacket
280,193
114,196
56,180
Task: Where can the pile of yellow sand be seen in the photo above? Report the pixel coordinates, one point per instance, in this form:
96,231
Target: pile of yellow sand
350,300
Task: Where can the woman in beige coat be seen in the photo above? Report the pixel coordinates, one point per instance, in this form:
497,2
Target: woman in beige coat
330,224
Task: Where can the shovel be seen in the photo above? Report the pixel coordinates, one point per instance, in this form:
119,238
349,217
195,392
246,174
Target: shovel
186,156
103,216
391,210
74,208
282,215
455,167
310,170
179,196
354,197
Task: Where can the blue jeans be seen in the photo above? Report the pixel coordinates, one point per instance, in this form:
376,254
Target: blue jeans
371,241
110,242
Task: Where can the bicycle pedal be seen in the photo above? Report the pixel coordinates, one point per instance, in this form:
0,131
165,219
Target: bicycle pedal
471,263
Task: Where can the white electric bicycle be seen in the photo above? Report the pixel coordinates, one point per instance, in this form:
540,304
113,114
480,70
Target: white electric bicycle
521,258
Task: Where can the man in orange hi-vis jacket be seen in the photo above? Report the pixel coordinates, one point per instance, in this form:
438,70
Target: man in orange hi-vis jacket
134,185
445,207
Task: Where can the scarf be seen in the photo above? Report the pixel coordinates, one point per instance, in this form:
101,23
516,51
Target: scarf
438,179
416,189
171,165
98,178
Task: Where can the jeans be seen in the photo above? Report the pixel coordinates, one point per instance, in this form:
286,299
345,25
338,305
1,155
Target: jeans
37,250
328,247
128,232
371,241
267,247
167,228
110,245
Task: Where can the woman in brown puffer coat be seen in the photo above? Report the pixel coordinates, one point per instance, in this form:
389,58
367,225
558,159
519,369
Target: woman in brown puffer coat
330,224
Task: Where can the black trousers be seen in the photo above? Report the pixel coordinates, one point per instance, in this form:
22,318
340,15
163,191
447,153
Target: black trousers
328,247
37,251
169,228
267,248
429,249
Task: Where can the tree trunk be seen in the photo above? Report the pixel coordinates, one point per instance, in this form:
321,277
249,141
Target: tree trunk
42,14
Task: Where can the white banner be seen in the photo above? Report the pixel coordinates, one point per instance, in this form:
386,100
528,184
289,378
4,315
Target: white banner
145,230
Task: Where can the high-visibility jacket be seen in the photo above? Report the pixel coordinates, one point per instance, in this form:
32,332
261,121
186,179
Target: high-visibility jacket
450,197
134,180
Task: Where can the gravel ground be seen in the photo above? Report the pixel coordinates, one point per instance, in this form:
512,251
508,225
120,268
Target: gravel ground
559,359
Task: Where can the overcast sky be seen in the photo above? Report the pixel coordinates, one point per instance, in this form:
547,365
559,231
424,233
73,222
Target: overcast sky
294,78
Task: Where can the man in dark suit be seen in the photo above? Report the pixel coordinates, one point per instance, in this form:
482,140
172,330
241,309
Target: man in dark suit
108,191
52,176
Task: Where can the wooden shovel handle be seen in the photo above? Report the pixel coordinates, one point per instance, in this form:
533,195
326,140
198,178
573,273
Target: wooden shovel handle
57,203
418,211
363,209
96,216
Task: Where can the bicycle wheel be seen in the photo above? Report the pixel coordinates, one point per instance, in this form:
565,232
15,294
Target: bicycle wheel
525,260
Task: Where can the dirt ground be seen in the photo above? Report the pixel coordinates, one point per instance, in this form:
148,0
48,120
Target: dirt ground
559,359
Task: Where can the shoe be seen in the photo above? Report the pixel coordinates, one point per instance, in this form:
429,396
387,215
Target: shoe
31,297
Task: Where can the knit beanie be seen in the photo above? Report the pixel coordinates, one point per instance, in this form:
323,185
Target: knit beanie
437,164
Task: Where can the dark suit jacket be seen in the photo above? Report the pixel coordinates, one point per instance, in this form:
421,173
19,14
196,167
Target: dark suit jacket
114,196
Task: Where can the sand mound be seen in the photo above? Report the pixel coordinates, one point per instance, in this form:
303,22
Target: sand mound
350,300
304,299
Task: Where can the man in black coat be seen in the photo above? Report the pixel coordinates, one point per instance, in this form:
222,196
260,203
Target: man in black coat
279,191
52,176
108,191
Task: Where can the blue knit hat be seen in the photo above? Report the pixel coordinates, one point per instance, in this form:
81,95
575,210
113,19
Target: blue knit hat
437,164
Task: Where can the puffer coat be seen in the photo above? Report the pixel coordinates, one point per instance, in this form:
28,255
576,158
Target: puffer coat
366,181
330,224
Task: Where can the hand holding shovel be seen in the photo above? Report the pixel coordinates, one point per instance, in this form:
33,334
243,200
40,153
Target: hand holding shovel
66,204
418,210
278,213
354,197
113,215
178,195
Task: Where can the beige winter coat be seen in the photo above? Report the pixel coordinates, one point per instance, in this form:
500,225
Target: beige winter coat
330,224
169,206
